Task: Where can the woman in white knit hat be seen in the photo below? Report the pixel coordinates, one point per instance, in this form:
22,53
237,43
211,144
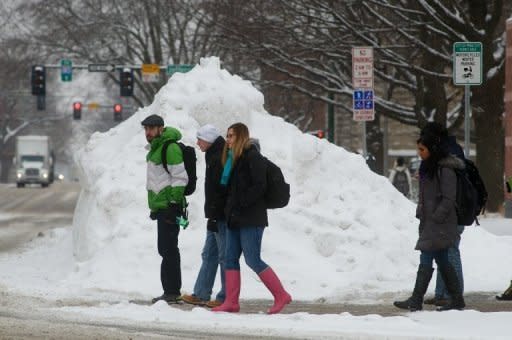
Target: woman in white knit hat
212,143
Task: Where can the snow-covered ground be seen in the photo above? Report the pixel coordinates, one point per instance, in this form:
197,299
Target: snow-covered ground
346,236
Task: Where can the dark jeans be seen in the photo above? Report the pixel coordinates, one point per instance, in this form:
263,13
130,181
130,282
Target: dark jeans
170,269
441,257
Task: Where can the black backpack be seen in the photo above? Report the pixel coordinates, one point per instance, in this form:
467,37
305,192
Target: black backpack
471,194
401,183
478,184
277,194
189,159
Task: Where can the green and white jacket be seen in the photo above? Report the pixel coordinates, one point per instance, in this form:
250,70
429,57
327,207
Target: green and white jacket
163,188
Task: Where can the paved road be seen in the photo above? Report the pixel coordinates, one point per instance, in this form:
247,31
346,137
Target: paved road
26,212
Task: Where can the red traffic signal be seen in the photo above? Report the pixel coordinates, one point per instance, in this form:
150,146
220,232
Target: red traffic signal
77,110
118,112
317,133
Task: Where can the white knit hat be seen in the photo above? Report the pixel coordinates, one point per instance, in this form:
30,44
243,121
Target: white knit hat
208,133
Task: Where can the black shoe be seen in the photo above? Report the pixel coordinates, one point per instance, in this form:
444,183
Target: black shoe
169,298
504,297
409,304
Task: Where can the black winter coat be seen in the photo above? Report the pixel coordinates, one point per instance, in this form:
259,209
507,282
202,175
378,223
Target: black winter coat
245,205
436,207
214,192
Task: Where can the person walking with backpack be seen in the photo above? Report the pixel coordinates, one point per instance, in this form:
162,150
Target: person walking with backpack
400,177
438,222
212,144
166,201
244,175
450,145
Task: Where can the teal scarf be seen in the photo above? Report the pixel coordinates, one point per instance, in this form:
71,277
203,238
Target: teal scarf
227,169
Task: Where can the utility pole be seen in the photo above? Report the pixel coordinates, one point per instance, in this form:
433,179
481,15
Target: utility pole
508,117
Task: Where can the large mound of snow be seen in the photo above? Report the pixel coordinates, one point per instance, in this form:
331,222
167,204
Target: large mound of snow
346,234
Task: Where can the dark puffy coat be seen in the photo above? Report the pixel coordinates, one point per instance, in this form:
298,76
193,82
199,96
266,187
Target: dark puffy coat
436,207
214,192
245,205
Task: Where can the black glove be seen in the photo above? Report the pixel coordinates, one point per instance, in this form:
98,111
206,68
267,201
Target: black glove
153,215
176,209
211,225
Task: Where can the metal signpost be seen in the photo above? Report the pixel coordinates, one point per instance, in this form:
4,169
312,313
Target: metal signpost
467,71
362,82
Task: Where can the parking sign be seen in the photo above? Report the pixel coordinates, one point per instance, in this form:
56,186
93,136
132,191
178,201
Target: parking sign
467,63
362,81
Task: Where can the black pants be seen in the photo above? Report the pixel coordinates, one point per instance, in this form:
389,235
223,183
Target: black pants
170,269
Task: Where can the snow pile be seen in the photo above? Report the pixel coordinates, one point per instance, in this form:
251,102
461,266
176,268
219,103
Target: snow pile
339,212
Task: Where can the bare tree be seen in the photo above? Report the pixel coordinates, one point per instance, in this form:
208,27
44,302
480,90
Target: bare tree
124,32
310,42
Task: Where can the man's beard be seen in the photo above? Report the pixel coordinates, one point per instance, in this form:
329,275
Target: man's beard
150,138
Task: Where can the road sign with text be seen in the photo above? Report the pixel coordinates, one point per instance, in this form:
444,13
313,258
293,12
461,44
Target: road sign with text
362,67
467,63
150,73
101,67
362,80
182,68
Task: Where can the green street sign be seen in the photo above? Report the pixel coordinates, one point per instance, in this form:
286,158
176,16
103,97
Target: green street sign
182,68
66,70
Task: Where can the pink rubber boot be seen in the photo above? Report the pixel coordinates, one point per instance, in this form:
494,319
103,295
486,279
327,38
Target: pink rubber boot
281,297
230,304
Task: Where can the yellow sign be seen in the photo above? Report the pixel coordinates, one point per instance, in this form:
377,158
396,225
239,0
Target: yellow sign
150,73
150,68
93,106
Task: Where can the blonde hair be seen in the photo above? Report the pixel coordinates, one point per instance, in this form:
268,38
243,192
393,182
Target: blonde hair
242,142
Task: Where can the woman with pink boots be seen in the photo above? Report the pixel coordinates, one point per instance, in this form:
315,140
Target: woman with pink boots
244,176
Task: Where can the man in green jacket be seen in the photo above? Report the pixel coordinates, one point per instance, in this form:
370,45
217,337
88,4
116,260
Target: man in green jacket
166,201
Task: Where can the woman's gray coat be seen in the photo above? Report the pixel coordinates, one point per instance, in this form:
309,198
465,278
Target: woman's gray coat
436,207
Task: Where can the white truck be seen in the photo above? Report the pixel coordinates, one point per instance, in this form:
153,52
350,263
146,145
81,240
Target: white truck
33,160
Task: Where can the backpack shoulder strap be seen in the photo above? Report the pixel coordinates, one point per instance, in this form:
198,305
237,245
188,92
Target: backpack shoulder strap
165,146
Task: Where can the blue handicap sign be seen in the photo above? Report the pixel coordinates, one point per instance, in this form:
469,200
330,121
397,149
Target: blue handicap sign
358,104
368,104
358,95
368,95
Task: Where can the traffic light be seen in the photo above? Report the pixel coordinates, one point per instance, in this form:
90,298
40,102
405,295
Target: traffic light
38,80
126,82
77,110
317,133
118,112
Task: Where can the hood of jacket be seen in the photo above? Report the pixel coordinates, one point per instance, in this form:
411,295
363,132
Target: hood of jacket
169,133
452,162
